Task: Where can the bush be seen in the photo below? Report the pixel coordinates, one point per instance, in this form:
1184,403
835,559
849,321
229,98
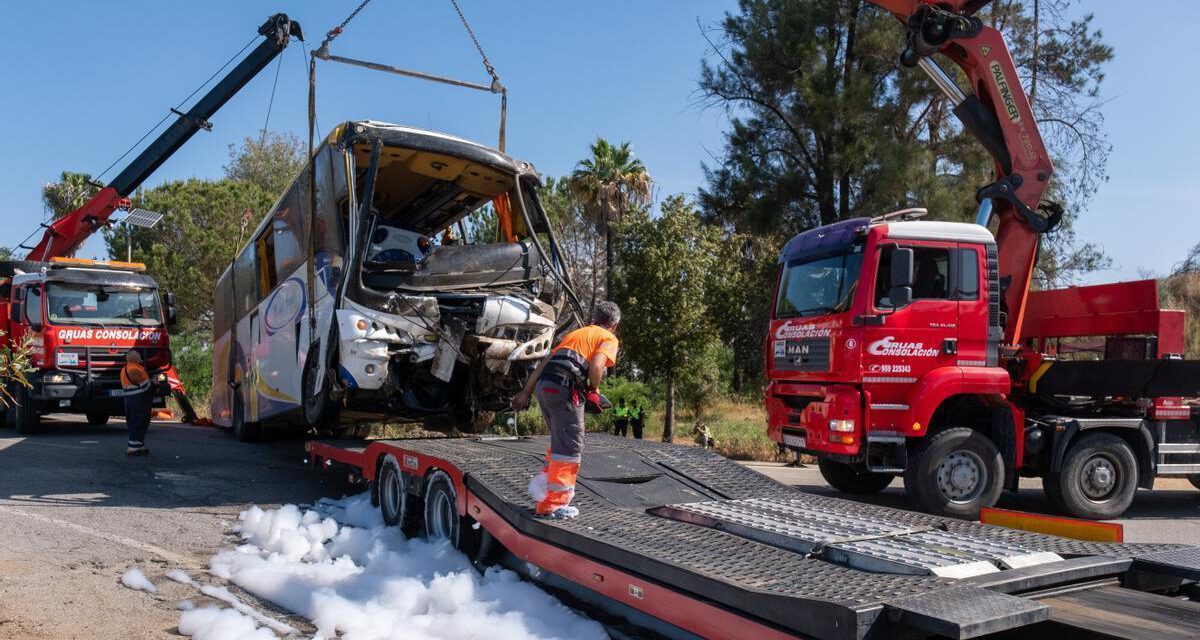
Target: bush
192,356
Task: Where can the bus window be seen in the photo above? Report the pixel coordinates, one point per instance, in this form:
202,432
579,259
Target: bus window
265,276
329,232
289,223
223,304
245,283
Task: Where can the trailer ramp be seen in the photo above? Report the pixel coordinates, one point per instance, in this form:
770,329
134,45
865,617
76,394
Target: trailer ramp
692,522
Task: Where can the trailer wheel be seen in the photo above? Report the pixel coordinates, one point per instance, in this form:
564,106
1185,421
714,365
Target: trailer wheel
854,479
25,415
395,503
442,521
956,473
97,419
1098,478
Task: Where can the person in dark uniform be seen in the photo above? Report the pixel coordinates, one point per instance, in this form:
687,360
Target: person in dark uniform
638,421
135,388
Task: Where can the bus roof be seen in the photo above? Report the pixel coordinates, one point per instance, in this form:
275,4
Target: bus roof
433,141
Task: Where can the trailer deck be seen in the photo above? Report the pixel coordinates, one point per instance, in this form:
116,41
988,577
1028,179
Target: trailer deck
710,548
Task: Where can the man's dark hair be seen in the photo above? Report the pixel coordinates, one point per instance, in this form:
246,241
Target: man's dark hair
607,314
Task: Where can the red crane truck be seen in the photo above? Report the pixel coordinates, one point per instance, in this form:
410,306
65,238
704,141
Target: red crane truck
80,317
906,347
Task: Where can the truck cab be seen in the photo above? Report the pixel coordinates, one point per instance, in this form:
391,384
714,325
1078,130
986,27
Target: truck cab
80,318
876,324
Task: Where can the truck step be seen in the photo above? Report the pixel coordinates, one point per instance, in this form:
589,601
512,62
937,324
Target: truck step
870,544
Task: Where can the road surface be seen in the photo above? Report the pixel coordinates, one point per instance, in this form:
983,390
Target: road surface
76,513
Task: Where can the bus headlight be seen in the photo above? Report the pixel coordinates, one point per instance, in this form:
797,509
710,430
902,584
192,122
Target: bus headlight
842,425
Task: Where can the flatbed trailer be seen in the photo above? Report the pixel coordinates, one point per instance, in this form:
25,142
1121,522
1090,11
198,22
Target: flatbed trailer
680,542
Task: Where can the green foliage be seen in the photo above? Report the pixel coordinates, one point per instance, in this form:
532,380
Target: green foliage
667,264
14,362
68,193
618,388
269,162
705,382
192,357
826,125
201,230
6,253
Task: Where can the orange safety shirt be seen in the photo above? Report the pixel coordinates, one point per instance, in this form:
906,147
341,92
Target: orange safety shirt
590,340
133,376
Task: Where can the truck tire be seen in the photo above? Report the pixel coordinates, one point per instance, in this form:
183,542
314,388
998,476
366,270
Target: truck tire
97,419
397,505
853,479
957,472
25,415
1098,478
442,521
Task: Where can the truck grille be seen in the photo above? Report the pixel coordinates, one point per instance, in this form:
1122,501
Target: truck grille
98,358
810,354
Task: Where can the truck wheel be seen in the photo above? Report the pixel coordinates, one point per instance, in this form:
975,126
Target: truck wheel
854,479
442,521
956,473
25,415
97,419
320,411
395,503
1098,478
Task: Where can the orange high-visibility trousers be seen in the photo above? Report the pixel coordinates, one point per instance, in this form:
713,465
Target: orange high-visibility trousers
562,409
561,472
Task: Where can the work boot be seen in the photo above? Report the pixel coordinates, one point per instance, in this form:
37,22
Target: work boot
561,513
137,451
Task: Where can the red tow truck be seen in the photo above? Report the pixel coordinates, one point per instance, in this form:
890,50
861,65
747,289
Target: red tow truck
900,346
80,317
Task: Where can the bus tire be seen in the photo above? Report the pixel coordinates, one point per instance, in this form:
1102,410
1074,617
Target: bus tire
25,415
1098,478
97,419
320,411
957,472
442,521
853,479
396,504
242,429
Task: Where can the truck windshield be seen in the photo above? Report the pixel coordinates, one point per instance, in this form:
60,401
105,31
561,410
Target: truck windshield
818,286
70,303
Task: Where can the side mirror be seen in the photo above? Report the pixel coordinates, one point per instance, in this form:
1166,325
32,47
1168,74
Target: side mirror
169,299
901,293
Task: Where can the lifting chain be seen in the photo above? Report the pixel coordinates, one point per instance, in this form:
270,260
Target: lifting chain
337,31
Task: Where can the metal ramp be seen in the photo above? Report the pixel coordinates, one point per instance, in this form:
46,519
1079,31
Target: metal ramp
869,544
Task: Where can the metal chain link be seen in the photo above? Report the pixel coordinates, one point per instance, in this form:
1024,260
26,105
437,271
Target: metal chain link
337,31
487,64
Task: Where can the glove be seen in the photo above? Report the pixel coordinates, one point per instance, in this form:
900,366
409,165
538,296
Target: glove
595,402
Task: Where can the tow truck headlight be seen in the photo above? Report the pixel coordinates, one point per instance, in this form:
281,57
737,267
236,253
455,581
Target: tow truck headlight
57,378
842,425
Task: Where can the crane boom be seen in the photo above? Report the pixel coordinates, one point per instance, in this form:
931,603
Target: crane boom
997,111
65,235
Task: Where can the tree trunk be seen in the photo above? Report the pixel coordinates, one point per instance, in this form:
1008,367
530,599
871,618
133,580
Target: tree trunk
669,413
736,383
608,259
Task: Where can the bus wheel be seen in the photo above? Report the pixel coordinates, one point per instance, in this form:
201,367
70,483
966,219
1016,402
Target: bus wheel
854,479
442,521
97,419
395,503
1097,480
25,415
320,411
242,429
956,473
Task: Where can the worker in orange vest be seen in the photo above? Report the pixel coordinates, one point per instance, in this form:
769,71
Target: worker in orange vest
135,387
575,367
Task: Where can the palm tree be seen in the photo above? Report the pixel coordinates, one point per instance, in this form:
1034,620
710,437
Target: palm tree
607,185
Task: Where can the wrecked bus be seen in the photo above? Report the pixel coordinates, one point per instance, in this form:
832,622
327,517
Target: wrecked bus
358,296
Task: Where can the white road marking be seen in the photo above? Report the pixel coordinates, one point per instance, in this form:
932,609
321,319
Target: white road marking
103,535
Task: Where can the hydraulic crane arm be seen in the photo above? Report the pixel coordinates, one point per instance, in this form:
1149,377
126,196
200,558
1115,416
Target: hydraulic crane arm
65,235
998,113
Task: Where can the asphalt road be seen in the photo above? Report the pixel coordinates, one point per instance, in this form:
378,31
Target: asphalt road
76,513
1170,513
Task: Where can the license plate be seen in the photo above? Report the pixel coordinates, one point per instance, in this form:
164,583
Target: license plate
67,359
793,440
113,393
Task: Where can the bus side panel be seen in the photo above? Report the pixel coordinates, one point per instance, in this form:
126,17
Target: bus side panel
220,401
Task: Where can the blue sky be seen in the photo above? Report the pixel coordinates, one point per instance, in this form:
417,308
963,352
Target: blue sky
86,79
